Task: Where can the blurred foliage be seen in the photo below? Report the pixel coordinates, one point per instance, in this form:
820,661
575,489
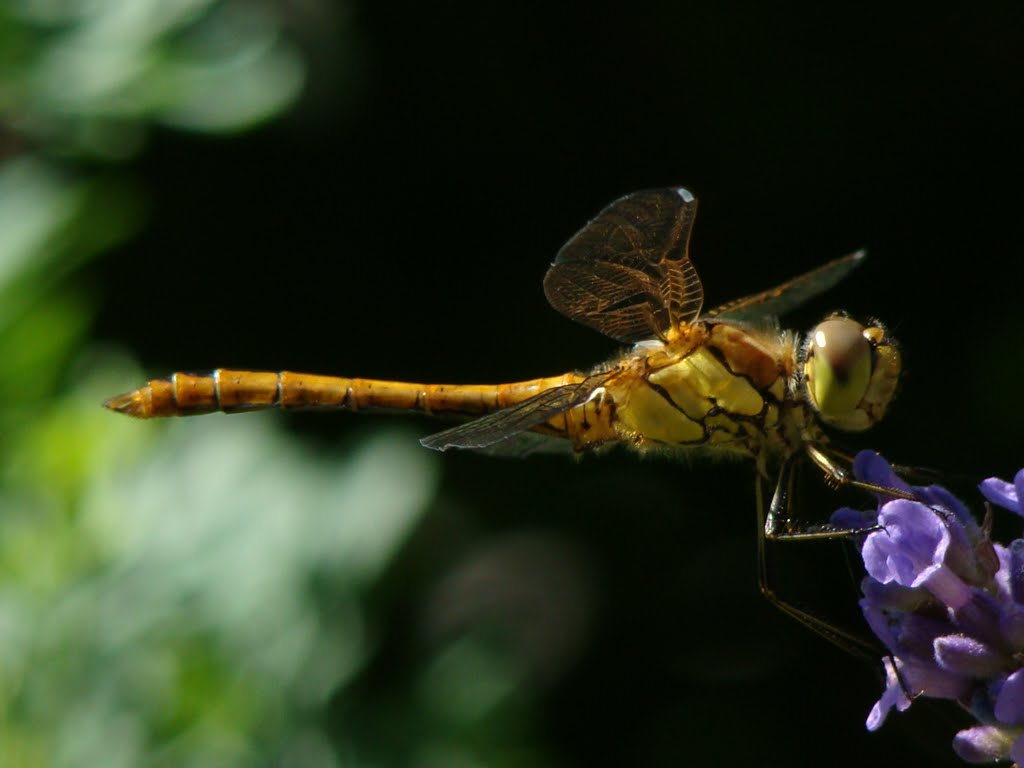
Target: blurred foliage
88,77
192,594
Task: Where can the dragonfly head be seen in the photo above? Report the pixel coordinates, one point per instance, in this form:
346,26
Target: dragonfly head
850,372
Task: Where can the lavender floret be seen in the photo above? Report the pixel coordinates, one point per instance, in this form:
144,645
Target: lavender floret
948,604
1004,494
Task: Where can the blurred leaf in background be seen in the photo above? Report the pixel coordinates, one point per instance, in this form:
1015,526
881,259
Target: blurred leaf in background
89,77
175,594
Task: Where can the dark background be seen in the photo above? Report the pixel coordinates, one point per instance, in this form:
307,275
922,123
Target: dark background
398,224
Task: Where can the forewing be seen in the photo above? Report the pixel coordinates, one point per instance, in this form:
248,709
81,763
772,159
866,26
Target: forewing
510,421
627,273
789,295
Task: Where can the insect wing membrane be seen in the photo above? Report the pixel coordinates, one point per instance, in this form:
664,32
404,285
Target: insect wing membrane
627,273
791,294
510,421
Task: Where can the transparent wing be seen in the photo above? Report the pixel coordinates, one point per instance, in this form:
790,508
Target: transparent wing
528,444
789,295
627,273
503,424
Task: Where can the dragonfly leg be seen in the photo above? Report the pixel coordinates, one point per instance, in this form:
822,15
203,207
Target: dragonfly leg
839,476
775,523
780,525
767,518
913,474
777,518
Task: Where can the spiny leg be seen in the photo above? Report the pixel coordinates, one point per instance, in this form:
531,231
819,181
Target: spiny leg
768,524
839,476
780,525
842,639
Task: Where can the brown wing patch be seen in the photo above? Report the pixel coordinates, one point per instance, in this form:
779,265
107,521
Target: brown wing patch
628,273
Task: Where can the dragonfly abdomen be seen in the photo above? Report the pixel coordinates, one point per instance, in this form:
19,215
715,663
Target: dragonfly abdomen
231,391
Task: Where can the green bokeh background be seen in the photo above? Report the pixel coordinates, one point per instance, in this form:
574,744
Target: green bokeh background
376,189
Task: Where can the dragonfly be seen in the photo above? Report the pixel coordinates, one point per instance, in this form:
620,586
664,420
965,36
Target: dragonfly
727,381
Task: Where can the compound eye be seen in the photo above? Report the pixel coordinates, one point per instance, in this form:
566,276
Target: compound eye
838,366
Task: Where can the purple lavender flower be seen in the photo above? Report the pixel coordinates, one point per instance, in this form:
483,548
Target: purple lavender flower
948,604
1006,495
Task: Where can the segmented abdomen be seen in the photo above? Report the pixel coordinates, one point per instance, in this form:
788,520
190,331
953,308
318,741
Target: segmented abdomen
185,394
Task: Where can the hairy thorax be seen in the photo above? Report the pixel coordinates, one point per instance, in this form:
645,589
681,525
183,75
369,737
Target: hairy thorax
715,384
